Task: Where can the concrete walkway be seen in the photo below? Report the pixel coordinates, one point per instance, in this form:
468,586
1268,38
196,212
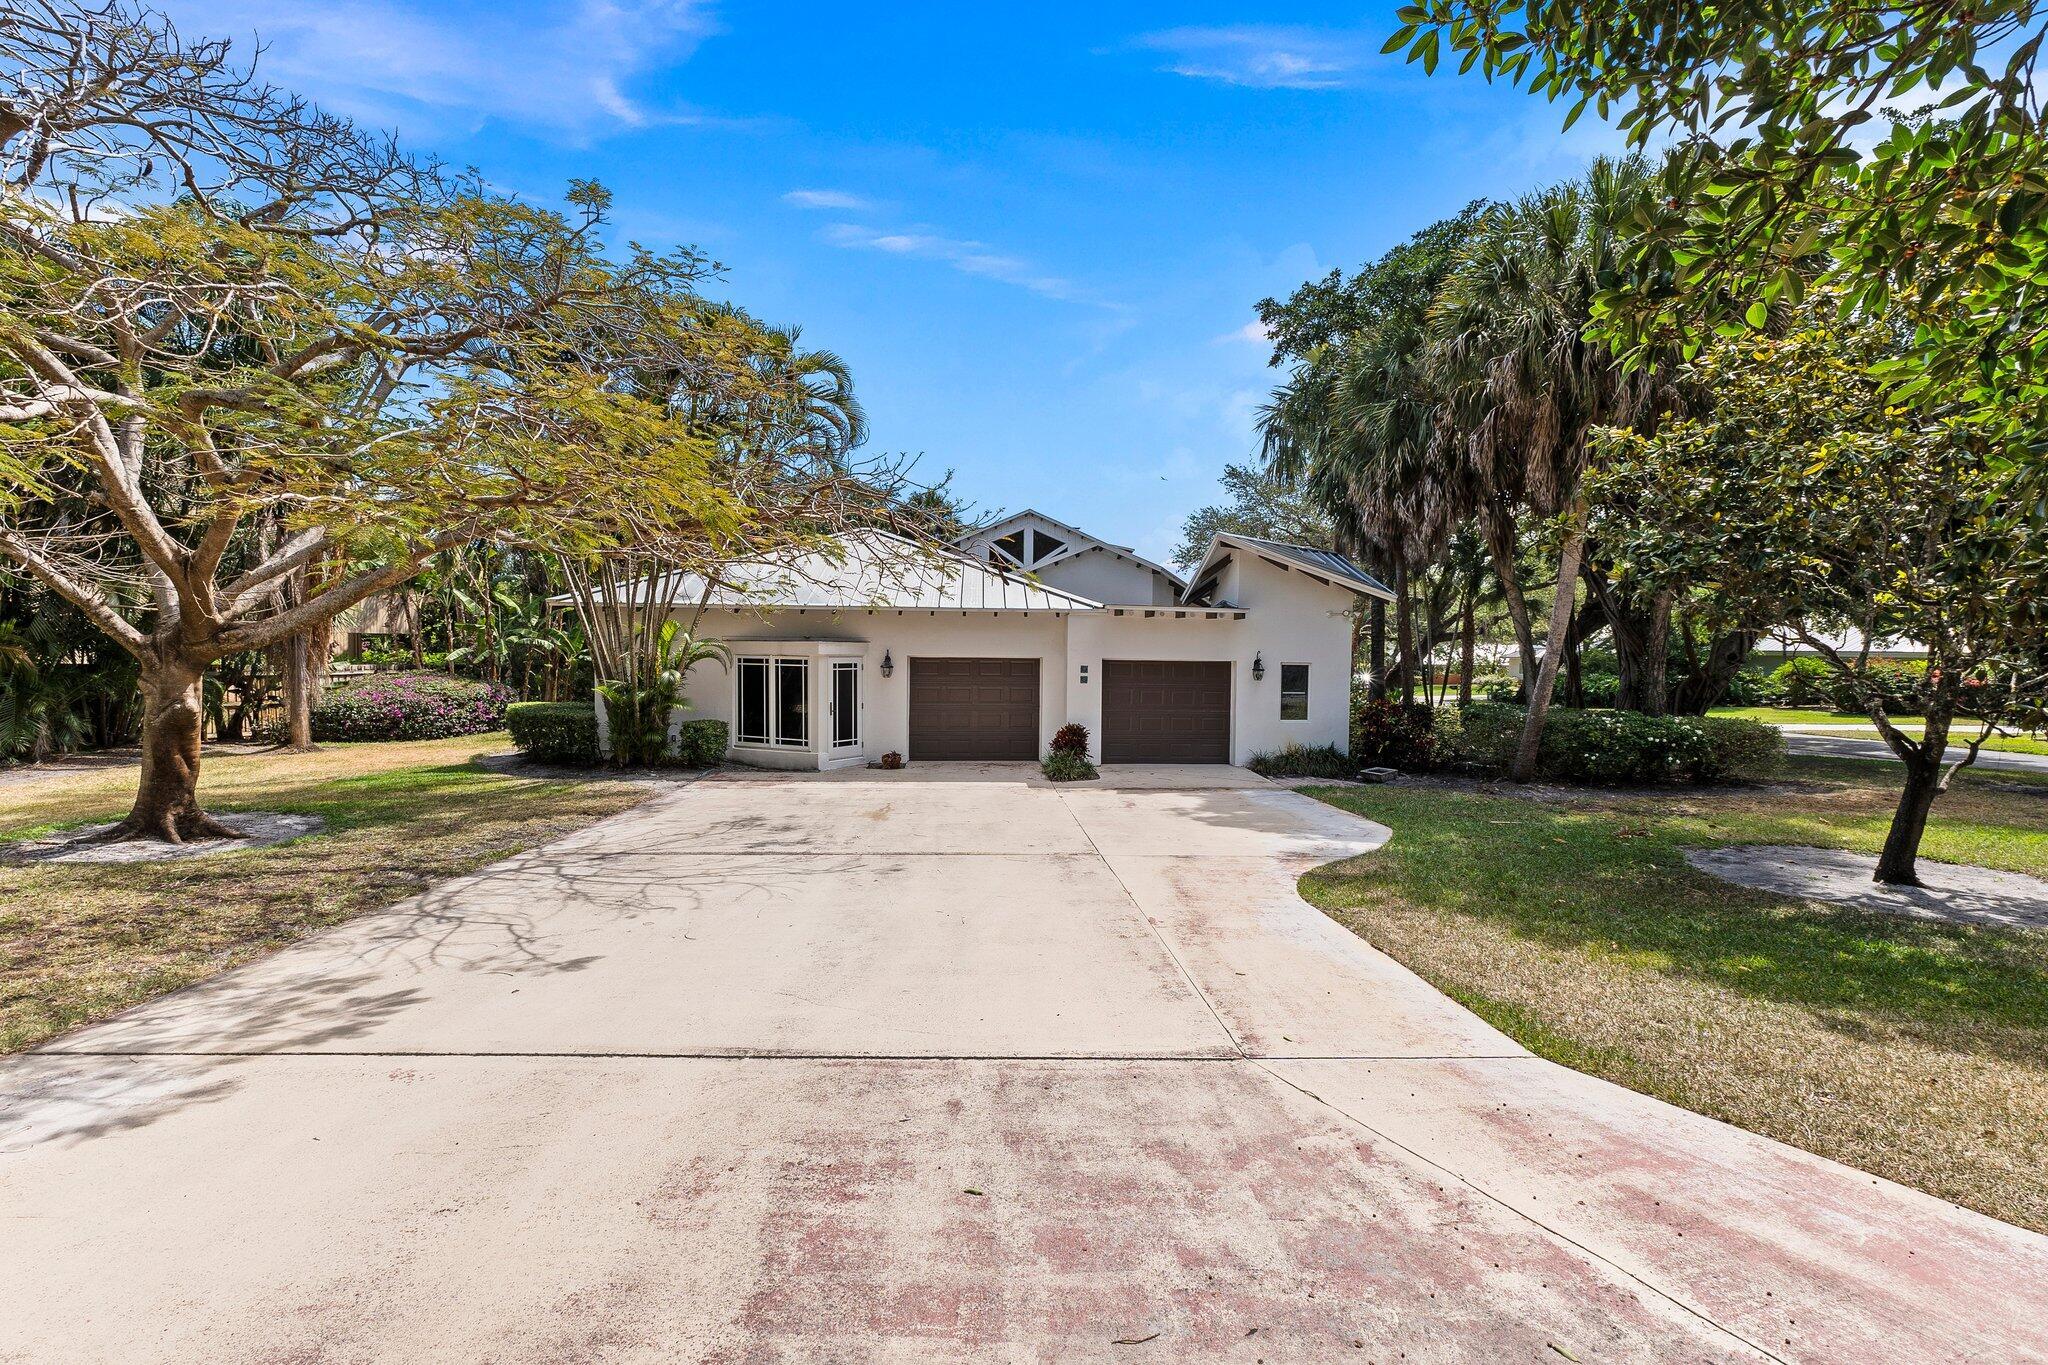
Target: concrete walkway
932,1066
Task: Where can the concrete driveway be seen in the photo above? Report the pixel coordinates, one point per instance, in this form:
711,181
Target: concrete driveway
939,1065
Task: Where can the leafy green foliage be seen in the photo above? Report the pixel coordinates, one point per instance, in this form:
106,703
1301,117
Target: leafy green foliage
1783,178
1804,681
1622,748
1064,765
563,732
702,743
1305,760
1384,732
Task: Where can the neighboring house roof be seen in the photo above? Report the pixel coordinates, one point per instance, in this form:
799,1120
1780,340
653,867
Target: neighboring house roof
1078,542
873,570
1325,566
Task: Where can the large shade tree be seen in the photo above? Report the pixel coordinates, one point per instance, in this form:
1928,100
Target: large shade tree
239,338
1814,505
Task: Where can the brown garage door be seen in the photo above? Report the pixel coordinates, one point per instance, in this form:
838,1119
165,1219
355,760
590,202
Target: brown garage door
1165,711
974,709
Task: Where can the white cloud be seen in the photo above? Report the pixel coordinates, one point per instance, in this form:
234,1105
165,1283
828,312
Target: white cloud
570,67
828,199
1261,56
1254,332
963,254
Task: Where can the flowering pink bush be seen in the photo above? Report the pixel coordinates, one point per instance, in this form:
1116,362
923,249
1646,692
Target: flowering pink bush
410,706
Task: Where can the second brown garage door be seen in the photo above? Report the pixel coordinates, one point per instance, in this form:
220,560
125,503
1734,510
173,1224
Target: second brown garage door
983,709
1165,711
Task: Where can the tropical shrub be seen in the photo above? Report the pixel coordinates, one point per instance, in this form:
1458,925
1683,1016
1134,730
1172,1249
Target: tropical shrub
1298,760
1070,739
1487,732
1804,681
1901,684
1385,732
1067,765
1600,688
1749,688
555,731
702,743
1621,748
409,706
1739,750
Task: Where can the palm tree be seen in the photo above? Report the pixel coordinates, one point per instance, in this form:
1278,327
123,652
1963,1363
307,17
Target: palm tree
1525,390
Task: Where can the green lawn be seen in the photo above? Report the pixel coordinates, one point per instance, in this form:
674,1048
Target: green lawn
1914,1050
1785,715
81,942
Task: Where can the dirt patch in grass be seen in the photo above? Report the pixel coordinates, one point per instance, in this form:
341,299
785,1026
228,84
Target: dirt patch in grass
82,942
1916,1051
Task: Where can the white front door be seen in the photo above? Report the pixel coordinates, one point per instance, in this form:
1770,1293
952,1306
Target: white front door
842,708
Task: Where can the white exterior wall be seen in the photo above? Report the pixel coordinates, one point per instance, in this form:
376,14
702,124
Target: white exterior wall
1103,577
1289,619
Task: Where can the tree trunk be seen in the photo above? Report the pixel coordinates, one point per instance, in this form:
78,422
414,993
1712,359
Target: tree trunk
1898,865
1378,690
1554,647
1653,686
298,693
1706,683
1500,544
1404,635
167,799
1467,629
1574,665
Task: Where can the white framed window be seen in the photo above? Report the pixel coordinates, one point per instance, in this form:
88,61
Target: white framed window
1294,691
773,705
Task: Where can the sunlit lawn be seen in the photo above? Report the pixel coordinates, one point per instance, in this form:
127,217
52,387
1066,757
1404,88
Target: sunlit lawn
1914,1050
81,942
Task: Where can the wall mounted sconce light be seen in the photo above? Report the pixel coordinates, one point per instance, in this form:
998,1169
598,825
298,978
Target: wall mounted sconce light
888,664
1258,667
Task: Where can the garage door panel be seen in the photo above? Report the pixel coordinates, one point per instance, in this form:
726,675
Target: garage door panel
974,709
1165,711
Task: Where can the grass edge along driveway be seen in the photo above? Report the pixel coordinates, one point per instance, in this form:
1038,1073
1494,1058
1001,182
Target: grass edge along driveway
81,942
1913,1050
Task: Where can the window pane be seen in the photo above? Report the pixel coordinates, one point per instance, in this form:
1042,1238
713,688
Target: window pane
1294,691
791,703
1013,545
753,717
845,704
1043,545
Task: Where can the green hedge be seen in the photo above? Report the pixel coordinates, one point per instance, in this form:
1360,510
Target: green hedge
701,743
555,731
1620,748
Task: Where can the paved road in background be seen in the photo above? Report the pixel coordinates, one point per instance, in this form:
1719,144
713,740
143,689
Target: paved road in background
931,1066
1838,746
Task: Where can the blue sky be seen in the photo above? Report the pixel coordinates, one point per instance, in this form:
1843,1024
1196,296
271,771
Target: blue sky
1037,236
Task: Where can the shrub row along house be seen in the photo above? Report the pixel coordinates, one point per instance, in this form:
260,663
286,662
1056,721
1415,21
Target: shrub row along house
982,652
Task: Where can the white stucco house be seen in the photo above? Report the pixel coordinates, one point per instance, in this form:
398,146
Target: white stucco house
983,652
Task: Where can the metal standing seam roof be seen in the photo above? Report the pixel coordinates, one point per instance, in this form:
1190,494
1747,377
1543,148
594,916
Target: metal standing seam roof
875,571
1327,563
